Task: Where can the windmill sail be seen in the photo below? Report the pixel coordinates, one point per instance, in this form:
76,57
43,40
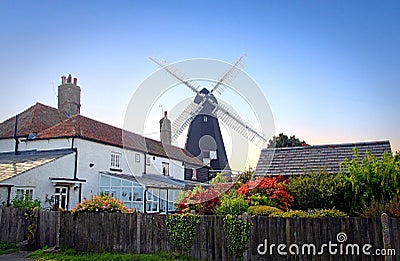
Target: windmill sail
233,120
194,86
184,119
229,75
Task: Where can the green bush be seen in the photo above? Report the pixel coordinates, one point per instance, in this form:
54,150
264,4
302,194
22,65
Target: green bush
182,230
290,214
25,202
320,190
263,210
259,200
316,213
237,233
370,180
232,204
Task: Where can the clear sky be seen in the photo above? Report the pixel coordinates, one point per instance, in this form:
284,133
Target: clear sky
329,69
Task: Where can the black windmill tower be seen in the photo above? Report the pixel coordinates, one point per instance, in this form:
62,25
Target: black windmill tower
204,138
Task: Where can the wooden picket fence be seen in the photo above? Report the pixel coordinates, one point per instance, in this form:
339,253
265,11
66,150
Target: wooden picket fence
146,233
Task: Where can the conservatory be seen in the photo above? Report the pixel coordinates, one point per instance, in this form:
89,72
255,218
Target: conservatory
148,193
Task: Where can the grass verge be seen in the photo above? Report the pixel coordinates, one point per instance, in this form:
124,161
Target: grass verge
71,254
7,248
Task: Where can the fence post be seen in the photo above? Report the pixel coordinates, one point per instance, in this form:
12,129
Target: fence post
58,229
386,234
138,232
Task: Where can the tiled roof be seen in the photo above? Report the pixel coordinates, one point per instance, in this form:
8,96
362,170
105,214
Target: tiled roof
14,164
86,128
33,120
300,160
48,123
169,151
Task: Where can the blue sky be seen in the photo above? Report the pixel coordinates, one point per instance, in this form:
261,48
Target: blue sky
329,69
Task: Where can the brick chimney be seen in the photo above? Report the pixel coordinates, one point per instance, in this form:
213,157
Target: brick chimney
69,96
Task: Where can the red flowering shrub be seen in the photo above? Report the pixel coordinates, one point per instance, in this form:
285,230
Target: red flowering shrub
202,201
101,203
271,187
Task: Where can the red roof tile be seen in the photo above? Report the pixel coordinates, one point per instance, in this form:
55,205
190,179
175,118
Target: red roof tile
86,128
33,120
49,123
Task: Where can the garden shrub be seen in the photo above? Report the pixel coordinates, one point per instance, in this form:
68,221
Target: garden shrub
316,213
271,187
263,210
318,190
101,203
237,233
370,179
291,214
25,201
182,230
232,204
258,200
376,208
201,201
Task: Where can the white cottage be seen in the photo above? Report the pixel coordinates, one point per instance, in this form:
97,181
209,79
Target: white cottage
47,152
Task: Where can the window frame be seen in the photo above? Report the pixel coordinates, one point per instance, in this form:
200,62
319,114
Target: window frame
165,165
115,161
24,189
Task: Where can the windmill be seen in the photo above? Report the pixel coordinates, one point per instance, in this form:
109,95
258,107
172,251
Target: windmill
202,115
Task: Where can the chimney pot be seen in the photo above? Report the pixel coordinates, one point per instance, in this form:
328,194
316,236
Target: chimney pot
76,81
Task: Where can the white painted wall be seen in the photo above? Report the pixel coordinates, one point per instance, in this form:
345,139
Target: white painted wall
176,169
38,178
88,152
7,145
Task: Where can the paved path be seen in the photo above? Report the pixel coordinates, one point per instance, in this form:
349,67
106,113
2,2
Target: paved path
17,256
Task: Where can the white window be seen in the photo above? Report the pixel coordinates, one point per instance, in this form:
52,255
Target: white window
137,157
194,173
152,199
130,192
165,168
173,194
213,154
205,119
115,160
61,197
22,192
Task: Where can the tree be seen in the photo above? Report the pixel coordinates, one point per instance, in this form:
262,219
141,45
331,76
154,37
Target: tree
284,141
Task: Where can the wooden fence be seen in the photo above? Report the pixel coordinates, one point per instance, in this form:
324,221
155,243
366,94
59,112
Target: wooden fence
146,233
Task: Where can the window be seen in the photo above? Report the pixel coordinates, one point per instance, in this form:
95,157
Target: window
137,157
115,160
130,192
21,192
61,197
165,168
173,194
213,154
205,119
194,173
147,160
152,200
